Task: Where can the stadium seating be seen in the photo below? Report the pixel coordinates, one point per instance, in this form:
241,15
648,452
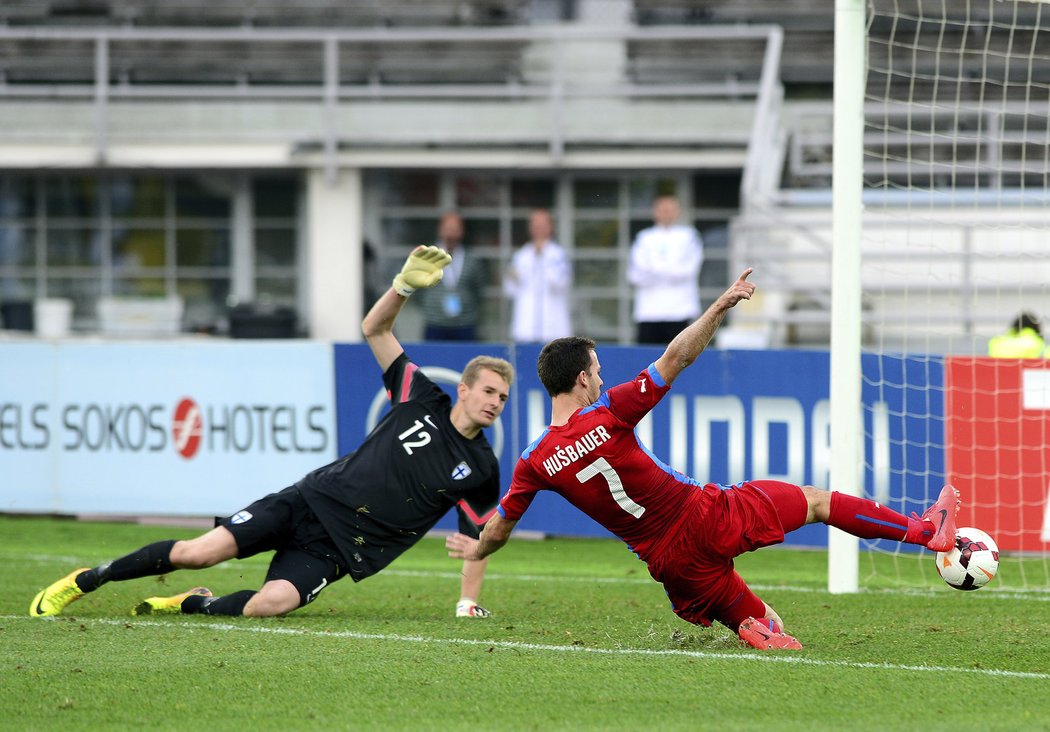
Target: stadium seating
296,66
263,13
203,61
808,56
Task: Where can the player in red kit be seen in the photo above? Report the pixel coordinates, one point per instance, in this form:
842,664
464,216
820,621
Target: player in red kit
687,533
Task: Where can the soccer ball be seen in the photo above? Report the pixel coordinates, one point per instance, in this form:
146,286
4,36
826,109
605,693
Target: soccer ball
972,563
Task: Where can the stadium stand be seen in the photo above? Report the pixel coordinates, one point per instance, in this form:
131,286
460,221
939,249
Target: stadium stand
42,57
264,13
808,37
199,62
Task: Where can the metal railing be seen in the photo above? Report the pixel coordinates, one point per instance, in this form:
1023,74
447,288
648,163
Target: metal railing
330,92
943,274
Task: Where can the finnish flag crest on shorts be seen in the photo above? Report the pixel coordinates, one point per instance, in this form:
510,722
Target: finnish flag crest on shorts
241,517
461,471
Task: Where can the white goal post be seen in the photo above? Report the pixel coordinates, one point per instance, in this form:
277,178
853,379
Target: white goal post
847,458
941,238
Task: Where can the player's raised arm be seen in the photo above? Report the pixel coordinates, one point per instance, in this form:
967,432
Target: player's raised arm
692,341
423,268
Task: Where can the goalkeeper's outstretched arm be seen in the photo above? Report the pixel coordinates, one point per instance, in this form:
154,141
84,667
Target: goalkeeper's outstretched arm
423,268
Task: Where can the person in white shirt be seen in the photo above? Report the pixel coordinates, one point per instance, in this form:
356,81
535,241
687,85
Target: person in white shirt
664,268
537,283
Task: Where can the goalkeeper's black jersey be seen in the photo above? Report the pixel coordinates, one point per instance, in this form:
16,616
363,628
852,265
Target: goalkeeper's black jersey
412,468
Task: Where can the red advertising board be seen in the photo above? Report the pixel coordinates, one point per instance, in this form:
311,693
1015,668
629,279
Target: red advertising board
998,447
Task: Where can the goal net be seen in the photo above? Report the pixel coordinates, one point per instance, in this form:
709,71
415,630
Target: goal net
955,246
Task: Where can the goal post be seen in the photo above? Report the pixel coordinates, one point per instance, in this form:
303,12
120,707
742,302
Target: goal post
846,438
941,238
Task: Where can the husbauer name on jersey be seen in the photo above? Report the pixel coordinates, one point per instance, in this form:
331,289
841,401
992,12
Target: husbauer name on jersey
567,455
596,462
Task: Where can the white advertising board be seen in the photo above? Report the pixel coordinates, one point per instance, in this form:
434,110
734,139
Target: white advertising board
167,428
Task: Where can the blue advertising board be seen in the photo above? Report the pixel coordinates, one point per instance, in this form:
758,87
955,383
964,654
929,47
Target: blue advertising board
245,415
904,420
731,416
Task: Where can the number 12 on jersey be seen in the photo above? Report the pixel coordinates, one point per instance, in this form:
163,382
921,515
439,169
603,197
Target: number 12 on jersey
601,467
422,439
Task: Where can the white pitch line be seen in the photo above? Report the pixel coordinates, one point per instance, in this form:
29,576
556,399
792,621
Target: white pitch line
543,647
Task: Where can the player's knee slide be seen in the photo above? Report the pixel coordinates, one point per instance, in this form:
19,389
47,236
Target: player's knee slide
265,606
819,503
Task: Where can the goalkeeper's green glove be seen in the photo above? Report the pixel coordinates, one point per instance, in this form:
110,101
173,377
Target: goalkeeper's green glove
423,268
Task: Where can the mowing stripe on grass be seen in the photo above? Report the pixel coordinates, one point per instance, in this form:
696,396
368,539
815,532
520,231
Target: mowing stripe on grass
999,594
1037,595
543,647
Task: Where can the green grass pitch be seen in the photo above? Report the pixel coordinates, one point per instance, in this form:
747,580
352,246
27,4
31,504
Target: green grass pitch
581,639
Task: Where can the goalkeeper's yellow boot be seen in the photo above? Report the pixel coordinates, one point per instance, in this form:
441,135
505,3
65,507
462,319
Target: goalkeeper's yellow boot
162,605
53,599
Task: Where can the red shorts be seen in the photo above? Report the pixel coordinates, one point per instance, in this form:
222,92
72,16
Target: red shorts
697,568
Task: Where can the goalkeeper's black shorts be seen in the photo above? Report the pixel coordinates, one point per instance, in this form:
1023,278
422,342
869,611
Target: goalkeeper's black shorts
283,522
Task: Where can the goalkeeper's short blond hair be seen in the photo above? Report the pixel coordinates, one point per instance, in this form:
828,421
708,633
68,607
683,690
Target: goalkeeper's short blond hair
489,363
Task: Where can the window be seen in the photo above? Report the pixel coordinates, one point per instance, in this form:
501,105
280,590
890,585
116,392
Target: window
83,236
596,217
275,206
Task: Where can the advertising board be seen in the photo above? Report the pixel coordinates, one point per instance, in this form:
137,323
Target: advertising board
160,428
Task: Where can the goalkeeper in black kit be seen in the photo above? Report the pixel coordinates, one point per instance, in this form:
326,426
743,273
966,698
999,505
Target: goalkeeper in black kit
353,517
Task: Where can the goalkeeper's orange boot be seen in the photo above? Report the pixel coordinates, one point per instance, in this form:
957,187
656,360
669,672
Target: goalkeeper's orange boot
942,515
53,599
766,635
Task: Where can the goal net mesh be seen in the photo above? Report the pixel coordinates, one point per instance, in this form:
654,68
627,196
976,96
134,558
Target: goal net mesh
956,245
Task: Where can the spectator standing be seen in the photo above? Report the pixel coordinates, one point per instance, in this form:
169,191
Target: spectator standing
537,283
664,268
1024,339
451,308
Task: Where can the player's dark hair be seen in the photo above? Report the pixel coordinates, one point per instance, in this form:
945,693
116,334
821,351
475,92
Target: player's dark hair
561,361
1026,320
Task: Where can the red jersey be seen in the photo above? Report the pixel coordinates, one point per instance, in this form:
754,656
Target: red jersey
596,462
